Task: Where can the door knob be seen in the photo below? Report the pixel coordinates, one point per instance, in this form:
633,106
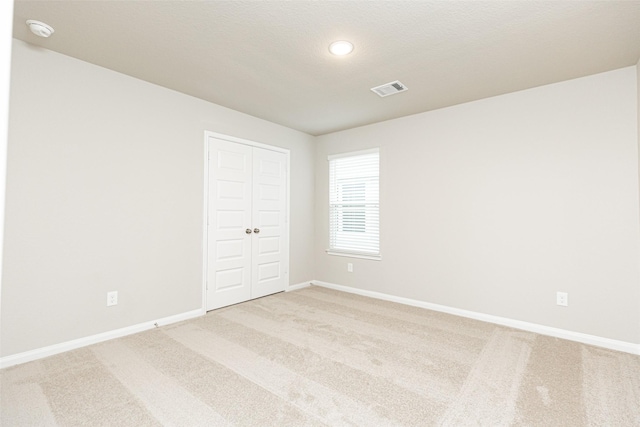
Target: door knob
248,231
256,230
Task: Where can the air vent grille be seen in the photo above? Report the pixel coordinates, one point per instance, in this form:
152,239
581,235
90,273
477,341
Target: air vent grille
389,89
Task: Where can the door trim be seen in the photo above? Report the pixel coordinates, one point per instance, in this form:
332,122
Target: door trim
205,207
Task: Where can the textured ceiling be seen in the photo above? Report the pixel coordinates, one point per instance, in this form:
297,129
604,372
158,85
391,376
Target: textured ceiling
270,58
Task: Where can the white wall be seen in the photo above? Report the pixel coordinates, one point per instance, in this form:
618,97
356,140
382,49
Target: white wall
105,192
6,26
494,205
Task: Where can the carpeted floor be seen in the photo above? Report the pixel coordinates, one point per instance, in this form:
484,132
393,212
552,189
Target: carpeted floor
322,357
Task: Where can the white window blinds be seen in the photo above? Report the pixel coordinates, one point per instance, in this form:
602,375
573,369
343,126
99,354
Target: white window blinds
354,203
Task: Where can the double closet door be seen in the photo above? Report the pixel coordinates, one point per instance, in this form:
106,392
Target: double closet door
247,231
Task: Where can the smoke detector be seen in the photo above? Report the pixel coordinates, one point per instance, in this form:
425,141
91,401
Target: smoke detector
389,89
40,29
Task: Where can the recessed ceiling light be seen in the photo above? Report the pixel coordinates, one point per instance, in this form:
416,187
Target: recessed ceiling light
341,47
40,29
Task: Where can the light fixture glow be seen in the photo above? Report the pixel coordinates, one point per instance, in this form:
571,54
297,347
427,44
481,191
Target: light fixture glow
40,29
341,47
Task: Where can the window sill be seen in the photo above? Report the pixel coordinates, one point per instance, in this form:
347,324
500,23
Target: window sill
354,255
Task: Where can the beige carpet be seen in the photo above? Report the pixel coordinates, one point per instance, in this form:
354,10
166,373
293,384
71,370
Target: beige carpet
321,357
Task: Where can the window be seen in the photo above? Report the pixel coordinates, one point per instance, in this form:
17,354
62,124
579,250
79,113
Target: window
354,204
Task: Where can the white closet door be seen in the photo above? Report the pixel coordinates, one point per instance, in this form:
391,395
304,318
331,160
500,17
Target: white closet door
269,249
229,211
247,232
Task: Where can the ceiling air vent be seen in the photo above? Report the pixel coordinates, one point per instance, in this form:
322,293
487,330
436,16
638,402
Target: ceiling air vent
389,88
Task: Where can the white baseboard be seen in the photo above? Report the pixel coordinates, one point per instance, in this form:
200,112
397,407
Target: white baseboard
51,350
624,346
298,286
40,353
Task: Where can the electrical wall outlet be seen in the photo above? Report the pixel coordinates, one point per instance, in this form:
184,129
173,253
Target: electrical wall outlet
112,298
350,267
562,298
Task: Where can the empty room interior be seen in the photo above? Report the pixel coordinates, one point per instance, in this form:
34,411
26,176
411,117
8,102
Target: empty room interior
381,213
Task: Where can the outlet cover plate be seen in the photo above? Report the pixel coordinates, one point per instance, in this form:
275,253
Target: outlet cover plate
562,298
112,298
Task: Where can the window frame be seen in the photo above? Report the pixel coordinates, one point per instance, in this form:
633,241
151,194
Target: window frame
354,253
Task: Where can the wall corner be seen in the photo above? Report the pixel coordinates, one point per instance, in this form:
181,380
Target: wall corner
638,136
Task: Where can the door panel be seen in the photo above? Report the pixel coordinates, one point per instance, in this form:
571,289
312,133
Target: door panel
229,211
269,213
269,245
